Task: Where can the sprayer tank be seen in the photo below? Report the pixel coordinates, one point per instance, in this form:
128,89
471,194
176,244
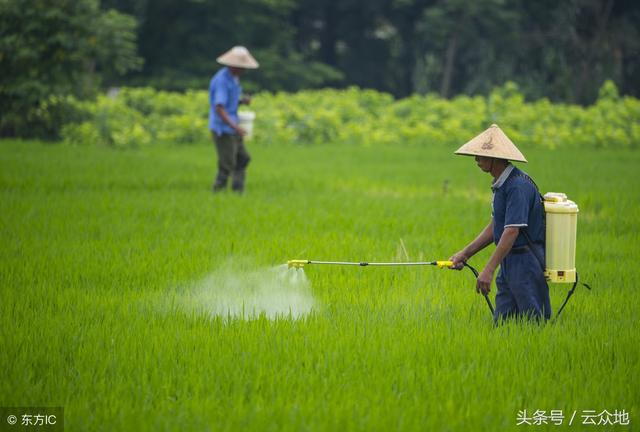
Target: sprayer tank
561,229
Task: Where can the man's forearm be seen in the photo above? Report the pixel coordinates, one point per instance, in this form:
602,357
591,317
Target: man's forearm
483,240
508,238
225,117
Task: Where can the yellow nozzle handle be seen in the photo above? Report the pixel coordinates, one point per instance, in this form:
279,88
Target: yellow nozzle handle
297,263
444,264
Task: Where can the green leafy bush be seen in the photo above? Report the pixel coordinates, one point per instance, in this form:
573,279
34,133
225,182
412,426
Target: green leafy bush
143,116
51,51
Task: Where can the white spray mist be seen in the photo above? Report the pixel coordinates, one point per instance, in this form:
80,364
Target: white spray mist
231,292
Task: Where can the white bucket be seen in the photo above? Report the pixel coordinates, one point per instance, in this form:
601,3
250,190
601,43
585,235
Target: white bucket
245,120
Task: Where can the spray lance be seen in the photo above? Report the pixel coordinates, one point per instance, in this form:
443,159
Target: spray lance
298,264
559,263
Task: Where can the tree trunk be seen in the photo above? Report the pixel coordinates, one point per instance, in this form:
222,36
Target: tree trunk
328,36
594,48
449,61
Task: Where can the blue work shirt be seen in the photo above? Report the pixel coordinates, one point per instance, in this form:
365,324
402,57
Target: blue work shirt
516,203
225,90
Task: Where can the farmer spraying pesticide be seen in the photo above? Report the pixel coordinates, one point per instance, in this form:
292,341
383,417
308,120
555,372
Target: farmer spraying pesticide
516,227
527,228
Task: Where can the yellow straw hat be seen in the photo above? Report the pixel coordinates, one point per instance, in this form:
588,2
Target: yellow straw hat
492,143
238,56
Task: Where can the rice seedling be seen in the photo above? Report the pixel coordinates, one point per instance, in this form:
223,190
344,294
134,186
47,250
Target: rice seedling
137,300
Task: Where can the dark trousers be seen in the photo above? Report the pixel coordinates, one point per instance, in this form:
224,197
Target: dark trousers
233,159
522,288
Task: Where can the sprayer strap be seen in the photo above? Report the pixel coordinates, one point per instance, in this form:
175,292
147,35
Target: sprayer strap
534,251
541,261
569,294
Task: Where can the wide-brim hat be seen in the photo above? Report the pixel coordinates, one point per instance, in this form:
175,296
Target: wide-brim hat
239,57
492,143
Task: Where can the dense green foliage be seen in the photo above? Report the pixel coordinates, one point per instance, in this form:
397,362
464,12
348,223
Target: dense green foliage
100,247
138,117
563,50
52,49
181,40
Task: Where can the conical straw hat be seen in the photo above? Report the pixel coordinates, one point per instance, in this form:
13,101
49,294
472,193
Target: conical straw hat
492,143
238,56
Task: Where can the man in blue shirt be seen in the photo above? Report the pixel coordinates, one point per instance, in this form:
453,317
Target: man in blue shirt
516,227
224,98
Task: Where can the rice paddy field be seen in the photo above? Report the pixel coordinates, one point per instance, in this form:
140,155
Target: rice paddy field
136,299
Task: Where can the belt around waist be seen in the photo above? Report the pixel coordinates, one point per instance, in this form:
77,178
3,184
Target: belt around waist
523,249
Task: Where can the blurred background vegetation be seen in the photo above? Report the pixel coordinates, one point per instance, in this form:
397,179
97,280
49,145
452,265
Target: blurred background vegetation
564,51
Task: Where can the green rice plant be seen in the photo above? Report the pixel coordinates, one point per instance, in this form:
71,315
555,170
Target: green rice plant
112,264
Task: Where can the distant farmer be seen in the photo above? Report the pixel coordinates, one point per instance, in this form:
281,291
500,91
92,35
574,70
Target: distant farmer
224,98
516,227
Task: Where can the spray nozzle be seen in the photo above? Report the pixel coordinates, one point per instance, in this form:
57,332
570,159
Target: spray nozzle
297,263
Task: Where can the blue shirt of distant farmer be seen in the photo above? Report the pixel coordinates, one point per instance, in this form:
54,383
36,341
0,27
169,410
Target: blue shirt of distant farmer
225,90
516,203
